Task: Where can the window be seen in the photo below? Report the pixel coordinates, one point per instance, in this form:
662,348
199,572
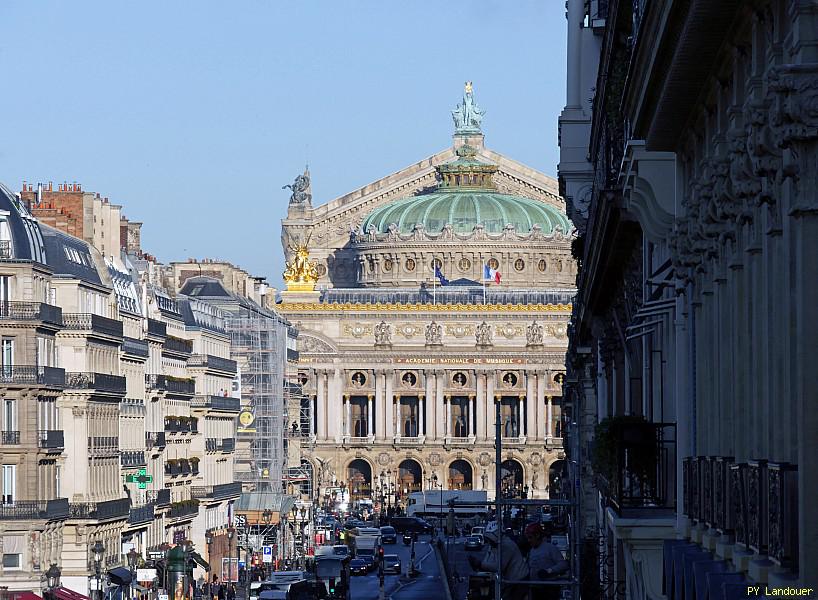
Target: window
359,417
9,483
9,415
7,355
409,419
5,288
11,561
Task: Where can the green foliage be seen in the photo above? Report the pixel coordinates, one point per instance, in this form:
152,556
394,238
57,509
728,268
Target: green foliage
614,436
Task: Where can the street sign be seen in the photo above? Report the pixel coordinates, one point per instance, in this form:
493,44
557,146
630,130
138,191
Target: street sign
163,597
145,574
267,554
156,554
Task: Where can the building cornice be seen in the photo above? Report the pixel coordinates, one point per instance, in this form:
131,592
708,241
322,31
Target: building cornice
346,307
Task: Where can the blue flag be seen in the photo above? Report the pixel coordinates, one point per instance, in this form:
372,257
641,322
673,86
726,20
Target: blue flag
439,275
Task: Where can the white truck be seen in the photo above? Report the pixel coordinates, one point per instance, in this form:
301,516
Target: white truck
436,503
366,545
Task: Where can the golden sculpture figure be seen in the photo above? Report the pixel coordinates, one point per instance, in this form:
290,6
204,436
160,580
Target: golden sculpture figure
301,274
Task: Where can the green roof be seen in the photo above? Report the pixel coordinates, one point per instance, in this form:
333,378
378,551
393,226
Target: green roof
465,208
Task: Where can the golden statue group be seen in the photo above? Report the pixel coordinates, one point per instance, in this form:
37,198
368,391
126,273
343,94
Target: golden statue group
301,274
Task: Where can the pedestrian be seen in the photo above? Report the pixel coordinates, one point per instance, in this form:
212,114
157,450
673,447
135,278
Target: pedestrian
215,588
545,561
513,566
231,592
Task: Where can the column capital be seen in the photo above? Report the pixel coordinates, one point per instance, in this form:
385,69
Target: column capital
370,397
471,396
346,397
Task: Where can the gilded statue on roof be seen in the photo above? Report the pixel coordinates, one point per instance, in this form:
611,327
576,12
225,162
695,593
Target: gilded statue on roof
301,274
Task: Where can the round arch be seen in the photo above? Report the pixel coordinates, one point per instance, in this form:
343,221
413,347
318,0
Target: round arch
359,479
512,477
556,476
461,475
410,477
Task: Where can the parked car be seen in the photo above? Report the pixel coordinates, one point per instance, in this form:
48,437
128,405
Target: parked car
369,559
358,566
474,542
391,564
389,535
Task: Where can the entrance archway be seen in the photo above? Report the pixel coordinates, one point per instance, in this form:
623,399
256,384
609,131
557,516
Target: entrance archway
556,476
359,479
460,475
410,477
511,474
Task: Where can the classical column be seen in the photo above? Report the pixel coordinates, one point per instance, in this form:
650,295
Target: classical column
542,425
347,416
491,381
531,404
380,405
389,404
421,412
447,407
313,414
549,412
482,404
471,431
370,423
440,407
430,428
335,406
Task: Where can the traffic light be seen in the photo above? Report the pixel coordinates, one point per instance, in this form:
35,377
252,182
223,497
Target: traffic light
332,585
380,553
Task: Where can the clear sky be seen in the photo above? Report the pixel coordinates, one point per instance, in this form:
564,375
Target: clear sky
193,114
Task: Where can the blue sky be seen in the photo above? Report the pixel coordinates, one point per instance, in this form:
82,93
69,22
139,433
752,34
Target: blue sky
193,114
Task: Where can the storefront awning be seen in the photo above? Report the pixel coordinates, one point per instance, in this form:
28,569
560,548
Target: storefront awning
197,558
65,594
23,596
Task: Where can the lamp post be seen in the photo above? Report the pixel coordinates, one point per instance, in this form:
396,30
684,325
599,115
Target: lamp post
52,578
133,559
231,533
209,541
98,549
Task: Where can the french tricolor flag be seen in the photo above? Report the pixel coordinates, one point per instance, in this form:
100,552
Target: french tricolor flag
490,274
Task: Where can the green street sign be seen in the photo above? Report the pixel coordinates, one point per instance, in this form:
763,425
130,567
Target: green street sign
142,479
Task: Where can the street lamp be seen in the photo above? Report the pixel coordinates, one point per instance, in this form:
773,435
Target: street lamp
231,533
98,549
52,578
209,541
133,559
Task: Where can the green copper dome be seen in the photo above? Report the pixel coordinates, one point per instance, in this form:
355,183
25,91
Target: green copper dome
466,197
465,208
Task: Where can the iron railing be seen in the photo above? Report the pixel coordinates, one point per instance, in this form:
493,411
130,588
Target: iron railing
110,509
51,439
142,514
216,363
92,322
222,403
218,491
175,344
159,497
181,424
174,385
154,439
102,382
158,328
27,510
132,458
32,375
31,311
643,475
10,438
183,509
135,346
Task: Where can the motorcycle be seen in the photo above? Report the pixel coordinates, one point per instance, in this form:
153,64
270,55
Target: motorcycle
407,539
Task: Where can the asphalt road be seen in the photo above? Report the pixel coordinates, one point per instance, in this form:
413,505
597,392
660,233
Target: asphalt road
426,586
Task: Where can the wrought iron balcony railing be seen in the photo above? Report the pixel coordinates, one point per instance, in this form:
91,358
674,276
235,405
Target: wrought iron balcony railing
155,439
28,510
142,514
101,382
216,363
135,347
157,328
183,509
94,323
32,375
220,403
10,438
217,492
51,439
178,345
31,311
99,511
641,474
159,497
132,458
174,385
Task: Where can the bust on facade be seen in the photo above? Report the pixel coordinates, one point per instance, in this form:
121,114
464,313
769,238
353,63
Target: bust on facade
434,334
383,334
534,335
483,335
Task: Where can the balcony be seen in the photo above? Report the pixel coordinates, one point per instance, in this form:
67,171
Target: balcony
93,323
103,445
186,508
181,424
159,497
31,311
217,403
10,438
459,442
175,345
99,382
135,347
157,328
32,376
633,461
171,385
155,439
217,492
51,439
132,458
409,441
31,510
100,511
228,445
351,440
142,514
214,363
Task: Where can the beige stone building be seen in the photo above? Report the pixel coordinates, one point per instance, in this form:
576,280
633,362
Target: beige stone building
401,373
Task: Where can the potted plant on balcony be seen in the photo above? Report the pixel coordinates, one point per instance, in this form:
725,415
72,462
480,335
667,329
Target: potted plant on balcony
624,453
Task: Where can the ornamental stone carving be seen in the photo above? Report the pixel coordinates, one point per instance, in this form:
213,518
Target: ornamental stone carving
357,330
459,330
408,330
483,335
434,334
307,343
383,334
534,335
